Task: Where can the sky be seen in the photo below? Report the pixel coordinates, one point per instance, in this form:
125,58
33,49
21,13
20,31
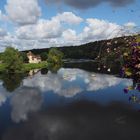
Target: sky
28,24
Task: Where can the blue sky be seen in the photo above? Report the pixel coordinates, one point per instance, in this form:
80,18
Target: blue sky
45,23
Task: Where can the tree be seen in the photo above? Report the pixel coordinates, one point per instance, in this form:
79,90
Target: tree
12,60
55,56
24,57
44,56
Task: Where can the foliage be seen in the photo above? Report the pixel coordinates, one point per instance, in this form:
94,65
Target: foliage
2,67
131,67
55,56
54,67
44,56
12,60
11,81
24,57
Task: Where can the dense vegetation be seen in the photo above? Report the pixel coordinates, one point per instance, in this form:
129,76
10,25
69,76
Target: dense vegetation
13,61
131,68
55,56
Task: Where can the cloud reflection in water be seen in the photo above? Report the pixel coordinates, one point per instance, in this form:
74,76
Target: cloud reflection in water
57,82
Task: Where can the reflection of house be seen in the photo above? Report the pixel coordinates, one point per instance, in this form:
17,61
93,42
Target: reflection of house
33,58
33,72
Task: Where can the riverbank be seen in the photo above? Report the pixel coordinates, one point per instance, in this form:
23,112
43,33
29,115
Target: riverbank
27,66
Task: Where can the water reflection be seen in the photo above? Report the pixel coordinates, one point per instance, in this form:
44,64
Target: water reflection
69,104
54,67
25,100
11,81
69,82
66,83
33,72
44,71
79,121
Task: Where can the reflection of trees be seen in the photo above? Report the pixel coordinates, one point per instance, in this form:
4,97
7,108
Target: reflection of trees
94,67
54,67
11,81
44,71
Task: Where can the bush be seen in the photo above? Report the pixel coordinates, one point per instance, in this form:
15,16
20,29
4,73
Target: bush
12,60
55,56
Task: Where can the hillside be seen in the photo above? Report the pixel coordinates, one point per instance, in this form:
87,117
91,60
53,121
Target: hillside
91,50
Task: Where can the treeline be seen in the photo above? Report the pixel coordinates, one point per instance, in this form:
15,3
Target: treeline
90,50
13,61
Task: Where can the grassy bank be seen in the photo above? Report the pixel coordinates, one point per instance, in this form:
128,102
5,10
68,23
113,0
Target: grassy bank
27,66
31,66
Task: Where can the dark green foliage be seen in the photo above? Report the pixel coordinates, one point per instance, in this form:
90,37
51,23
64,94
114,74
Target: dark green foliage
44,56
12,81
54,67
12,60
24,57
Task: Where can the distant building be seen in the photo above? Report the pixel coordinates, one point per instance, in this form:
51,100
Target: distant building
33,58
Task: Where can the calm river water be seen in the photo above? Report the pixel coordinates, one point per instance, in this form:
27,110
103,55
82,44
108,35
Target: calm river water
72,104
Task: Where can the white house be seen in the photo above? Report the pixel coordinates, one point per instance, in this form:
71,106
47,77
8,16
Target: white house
33,58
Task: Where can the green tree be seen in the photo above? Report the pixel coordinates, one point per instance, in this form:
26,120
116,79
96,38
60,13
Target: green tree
55,56
44,56
12,60
24,57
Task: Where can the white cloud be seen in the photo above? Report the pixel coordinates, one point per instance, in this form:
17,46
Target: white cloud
69,35
56,32
43,29
23,12
100,29
130,24
48,28
0,15
69,17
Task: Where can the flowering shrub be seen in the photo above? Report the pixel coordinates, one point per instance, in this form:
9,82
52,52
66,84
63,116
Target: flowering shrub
131,67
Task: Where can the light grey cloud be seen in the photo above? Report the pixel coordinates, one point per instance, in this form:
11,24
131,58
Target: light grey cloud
23,12
85,4
2,33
